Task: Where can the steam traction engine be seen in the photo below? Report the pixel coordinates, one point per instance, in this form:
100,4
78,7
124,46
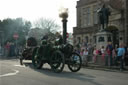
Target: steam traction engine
56,55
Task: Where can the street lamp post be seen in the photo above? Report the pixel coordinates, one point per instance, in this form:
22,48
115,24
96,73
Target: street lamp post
15,36
64,15
126,22
1,43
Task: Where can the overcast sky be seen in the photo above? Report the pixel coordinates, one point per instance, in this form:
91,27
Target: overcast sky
34,9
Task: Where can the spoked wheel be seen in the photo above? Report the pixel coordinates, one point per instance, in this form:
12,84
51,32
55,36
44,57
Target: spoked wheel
21,61
36,59
21,58
57,61
75,62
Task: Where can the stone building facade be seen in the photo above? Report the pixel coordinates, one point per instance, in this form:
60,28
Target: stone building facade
88,24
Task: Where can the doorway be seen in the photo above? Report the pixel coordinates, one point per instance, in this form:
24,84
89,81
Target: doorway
115,34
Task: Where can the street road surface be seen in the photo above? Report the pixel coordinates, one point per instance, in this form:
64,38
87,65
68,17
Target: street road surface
11,73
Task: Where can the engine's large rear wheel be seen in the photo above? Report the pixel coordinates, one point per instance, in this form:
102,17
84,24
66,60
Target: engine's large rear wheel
57,61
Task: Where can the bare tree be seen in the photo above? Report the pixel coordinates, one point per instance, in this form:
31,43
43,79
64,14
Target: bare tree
48,25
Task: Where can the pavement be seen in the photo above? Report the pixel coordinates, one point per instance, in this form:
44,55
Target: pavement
106,68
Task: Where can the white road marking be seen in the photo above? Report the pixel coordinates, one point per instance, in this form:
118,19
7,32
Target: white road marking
20,65
10,74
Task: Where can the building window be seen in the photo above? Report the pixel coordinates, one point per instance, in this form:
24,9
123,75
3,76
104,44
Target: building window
109,39
94,38
95,14
86,16
86,39
78,38
121,38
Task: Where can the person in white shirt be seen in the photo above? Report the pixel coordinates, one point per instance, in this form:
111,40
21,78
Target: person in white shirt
85,57
102,52
95,53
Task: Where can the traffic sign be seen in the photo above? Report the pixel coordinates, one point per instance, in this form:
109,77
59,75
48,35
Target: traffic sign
67,35
15,36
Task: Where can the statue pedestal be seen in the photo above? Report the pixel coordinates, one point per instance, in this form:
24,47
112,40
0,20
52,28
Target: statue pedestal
102,39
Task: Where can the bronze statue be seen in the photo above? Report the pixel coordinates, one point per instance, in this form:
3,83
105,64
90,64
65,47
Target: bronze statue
104,14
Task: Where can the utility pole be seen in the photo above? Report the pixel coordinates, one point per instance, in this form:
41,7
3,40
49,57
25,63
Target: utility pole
126,22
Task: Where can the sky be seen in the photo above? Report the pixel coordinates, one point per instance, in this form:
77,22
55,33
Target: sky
32,10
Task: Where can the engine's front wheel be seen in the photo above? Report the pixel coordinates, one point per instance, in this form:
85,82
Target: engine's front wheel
75,62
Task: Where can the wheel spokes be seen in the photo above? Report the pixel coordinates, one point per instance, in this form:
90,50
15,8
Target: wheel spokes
57,61
75,62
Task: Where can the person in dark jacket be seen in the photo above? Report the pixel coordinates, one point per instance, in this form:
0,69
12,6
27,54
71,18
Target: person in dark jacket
109,49
126,56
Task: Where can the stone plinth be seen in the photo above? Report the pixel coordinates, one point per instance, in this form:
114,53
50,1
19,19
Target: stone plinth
102,38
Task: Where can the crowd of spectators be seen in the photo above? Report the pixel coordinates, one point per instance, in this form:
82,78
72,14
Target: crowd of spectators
110,55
